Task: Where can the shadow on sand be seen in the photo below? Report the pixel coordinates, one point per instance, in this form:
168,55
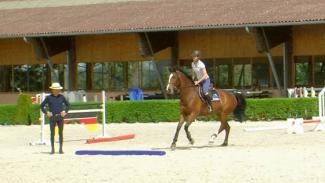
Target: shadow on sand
72,140
189,147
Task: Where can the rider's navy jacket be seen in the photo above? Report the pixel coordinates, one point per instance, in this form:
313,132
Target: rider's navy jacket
56,104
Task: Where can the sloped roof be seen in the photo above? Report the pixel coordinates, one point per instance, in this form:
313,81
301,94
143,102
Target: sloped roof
57,17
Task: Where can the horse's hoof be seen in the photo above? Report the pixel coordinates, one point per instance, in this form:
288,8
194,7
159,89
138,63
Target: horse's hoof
173,147
224,144
192,142
211,140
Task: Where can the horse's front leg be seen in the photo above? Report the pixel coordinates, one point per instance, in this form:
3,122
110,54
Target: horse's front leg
187,125
179,126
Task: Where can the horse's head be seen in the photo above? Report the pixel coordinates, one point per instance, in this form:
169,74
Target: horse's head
173,82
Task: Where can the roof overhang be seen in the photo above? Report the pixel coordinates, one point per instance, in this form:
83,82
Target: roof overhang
129,16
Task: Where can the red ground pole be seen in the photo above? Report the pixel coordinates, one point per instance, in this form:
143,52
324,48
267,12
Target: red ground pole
311,121
110,139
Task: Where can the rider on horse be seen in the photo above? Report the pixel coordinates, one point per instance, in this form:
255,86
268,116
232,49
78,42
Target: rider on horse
199,73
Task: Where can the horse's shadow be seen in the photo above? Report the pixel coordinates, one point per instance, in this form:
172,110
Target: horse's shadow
189,147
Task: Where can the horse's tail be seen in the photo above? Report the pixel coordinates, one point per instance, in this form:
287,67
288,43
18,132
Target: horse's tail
239,111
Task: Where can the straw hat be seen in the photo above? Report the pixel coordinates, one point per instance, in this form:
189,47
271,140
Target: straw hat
56,86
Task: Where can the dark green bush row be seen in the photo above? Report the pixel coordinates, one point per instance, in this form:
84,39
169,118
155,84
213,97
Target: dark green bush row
281,108
168,110
9,115
143,111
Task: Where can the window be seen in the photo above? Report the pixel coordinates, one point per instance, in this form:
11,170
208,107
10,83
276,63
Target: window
319,71
149,79
301,68
29,77
260,73
222,76
98,76
82,78
20,77
164,70
242,73
134,74
36,78
116,76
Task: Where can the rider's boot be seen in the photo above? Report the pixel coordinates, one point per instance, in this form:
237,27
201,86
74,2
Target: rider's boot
208,100
52,148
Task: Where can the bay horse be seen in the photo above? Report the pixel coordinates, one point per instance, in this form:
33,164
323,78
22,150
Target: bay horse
192,106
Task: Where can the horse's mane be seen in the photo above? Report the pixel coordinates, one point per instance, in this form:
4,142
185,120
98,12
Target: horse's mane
189,77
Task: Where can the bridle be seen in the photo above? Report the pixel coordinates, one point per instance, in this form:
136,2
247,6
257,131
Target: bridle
174,84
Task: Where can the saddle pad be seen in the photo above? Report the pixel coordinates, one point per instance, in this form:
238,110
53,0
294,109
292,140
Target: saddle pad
215,95
201,95
213,92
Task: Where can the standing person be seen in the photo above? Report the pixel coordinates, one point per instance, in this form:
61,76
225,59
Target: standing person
58,107
200,76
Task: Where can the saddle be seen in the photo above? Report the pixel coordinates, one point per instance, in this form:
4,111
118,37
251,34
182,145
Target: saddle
212,92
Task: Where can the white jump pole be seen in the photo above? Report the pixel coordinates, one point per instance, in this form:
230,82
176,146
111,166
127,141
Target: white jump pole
297,125
42,140
104,115
265,128
102,110
85,110
321,108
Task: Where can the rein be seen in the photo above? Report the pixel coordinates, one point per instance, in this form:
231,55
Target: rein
183,86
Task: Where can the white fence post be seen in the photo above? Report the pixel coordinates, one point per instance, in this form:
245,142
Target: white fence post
42,140
104,113
321,103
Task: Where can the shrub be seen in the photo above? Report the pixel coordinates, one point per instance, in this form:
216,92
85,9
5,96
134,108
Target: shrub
24,104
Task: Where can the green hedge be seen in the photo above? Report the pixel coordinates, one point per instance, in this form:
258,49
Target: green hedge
168,110
23,110
7,114
143,111
281,108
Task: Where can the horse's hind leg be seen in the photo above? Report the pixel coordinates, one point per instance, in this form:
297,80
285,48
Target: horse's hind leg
215,135
224,126
227,127
179,126
187,125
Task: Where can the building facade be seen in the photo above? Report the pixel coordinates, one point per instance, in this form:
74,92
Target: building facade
106,51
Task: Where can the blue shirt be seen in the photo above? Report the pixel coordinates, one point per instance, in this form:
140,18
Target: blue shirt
56,104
